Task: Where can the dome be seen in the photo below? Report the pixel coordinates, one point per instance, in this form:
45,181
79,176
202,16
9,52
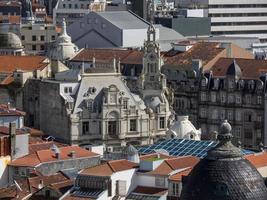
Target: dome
184,129
224,174
63,49
10,40
234,70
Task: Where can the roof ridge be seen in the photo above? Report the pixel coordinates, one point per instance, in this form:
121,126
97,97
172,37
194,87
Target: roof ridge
112,169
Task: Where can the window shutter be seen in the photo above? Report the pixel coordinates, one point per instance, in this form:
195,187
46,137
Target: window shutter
121,188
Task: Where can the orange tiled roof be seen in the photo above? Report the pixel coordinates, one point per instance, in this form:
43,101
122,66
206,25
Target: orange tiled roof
251,68
178,176
12,19
8,64
205,51
150,190
169,165
258,159
8,80
30,185
107,55
6,111
47,155
110,167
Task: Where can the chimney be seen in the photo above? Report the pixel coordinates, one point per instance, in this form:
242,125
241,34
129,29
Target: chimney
57,154
8,106
197,66
73,154
12,139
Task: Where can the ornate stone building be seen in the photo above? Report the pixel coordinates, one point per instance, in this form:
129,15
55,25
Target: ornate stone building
94,104
232,89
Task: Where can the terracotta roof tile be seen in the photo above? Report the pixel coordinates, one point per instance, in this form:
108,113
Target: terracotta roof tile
8,111
205,51
251,68
178,176
9,64
169,165
258,159
110,167
47,155
8,80
150,190
107,55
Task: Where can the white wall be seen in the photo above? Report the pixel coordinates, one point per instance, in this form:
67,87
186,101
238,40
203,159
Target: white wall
6,120
148,180
128,176
4,170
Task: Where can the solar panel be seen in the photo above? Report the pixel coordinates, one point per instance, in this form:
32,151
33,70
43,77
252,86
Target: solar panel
183,147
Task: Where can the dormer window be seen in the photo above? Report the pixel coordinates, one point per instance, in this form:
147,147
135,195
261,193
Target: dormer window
204,82
112,98
125,104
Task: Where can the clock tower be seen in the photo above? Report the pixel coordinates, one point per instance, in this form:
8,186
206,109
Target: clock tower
151,77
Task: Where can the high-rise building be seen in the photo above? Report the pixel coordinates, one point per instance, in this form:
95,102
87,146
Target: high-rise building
239,18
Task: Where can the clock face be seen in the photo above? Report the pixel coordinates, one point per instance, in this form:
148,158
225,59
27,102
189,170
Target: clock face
152,56
150,48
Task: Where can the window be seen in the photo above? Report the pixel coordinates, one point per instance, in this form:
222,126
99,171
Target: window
70,6
121,188
90,105
230,115
222,114
175,189
230,99
238,99
248,117
112,128
76,6
22,37
203,113
42,47
258,133
67,90
222,98
259,118
64,5
162,122
238,132
214,114
112,98
34,47
159,181
213,97
259,100
85,128
42,37
53,37
34,38
125,104
202,96
238,116
133,125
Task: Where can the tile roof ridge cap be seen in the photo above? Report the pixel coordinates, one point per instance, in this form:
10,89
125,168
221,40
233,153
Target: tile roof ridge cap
112,169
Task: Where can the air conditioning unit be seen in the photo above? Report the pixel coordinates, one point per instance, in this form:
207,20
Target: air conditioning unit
109,149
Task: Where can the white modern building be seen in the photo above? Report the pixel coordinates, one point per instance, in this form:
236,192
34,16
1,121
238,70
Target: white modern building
118,29
239,18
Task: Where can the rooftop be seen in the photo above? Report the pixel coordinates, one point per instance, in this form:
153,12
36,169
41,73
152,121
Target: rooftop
6,110
47,155
258,159
9,64
205,51
110,167
250,68
124,19
183,147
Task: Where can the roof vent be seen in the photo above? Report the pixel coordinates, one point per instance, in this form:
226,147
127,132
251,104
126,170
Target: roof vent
72,154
